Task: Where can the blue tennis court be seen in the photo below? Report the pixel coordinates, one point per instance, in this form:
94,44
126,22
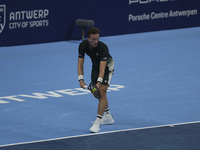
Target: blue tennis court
154,94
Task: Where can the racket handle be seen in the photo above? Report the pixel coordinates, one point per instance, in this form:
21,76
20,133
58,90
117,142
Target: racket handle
85,86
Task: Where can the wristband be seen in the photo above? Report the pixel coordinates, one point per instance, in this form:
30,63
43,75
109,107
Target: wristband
100,80
80,77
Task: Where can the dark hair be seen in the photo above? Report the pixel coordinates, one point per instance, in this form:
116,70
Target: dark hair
92,30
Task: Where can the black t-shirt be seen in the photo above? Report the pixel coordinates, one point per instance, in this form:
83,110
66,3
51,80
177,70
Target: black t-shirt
100,53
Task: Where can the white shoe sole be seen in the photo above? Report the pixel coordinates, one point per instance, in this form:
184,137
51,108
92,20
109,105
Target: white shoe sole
95,128
94,131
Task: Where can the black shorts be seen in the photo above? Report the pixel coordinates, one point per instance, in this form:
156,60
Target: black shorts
106,79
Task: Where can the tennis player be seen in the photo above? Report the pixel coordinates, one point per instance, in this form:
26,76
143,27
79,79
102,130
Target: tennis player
101,74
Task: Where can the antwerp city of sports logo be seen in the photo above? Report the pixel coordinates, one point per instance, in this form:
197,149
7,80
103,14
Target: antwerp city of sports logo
2,17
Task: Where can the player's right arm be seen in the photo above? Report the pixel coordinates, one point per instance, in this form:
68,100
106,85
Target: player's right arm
80,72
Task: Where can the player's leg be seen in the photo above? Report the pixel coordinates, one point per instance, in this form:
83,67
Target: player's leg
96,125
107,117
103,102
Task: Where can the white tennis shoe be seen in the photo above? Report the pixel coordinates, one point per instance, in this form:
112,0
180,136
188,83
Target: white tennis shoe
96,126
107,119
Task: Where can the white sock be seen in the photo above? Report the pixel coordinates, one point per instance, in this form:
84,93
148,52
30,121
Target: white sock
98,120
99,116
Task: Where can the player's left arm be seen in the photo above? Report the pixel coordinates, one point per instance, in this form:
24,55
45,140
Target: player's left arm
103,62
102,68
101,72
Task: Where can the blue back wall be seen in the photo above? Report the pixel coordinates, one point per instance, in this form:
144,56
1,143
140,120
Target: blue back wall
31,21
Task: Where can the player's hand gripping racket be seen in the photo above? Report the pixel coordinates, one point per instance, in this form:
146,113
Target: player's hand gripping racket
94,90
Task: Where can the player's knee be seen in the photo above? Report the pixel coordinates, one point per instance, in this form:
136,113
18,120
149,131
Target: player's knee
103,96
103,91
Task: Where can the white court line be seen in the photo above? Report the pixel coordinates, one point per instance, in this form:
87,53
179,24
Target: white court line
92,134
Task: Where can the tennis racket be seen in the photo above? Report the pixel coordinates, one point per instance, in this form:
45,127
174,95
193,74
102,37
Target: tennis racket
94,90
